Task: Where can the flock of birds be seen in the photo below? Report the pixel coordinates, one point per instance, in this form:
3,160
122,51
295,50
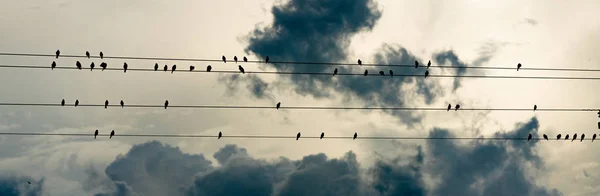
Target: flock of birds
559,136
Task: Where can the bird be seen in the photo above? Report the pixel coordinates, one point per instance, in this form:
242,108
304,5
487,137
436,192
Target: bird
241,69
62,103
95,133
366,72
224,59
381,73
574,137
173,68
457,107
124,67
245,59
166,104
593,137
105,104
449,107
235,59
76,102
53,65
518,66
87,54
57,53
28,182
208,68
192,68
220,135
92,65
78,64
122,104
155,66
558,136
103,65
359,62
582,137
267,59
101,55
298,136
545,137
391,73
322,135
166,68
426,73
529,137
534,107
428,64
355,135
335,71
567,137
278,105
112,133
416,64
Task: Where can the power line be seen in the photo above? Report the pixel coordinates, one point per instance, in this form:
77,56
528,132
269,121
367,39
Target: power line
303,107
317,73
301,63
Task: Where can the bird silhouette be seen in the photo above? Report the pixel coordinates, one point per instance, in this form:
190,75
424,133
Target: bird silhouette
155,66
112,133
567,137
224,59
593,137
241,69
245,59
428,64
558,136
95,133
92,65
192,68
28,182
208,68
101,55
173,68
359,62
574,137
582,137
534,108
166,68
335,71
366,72
267,59
76,102
449,107
122,104
57,53
53,65
220,135
62,103
235,59
105,104
298,136
87,54
426,73
166,104
103,65
355,135
391,73
545,137
457,107
278,105
518,66
381,73
416,64
78,64
124,67
322,135
529,137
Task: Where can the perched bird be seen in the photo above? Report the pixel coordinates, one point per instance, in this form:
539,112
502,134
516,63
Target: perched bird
101,55
224,59
103,65
76,102
122,104
366,72
567,137
267,59
278,105
124,67
298,136
78,64
112,133
558,136
529,137
53,65
582,137
416,64
155,66
28,182
534,107
335,71
518,66
57,53
574,137
245,59
166,104
87,54
391,73
192,68
95,133
92,65
62,103
545,137
166,68
381,73
173,68
426,73
457,107
449,107
322,135
235,59
593,137
241,69
105,104
220,135
208,68
355,135
428,64
359,62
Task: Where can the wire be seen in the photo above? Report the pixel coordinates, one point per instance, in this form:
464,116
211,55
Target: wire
320,73
300,63
303,107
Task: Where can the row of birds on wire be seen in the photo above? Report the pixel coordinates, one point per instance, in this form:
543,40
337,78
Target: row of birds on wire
112,133
559,137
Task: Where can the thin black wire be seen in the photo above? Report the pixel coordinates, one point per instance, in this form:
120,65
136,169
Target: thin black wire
315,73
298,62
303,107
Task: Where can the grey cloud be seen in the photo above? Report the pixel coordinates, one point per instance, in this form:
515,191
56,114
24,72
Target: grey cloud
120,189
17,185
531,22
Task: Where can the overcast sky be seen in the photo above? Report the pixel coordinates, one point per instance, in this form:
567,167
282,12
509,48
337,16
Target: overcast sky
538,33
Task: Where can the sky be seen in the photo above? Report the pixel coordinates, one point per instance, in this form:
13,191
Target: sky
543,34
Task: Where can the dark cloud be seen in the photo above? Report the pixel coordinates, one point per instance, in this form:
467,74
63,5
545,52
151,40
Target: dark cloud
18,186
119,189
392,178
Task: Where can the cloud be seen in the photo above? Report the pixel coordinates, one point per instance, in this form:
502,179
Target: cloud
531,22
120,189
17,185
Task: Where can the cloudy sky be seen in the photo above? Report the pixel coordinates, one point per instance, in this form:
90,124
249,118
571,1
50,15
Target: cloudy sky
537,33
